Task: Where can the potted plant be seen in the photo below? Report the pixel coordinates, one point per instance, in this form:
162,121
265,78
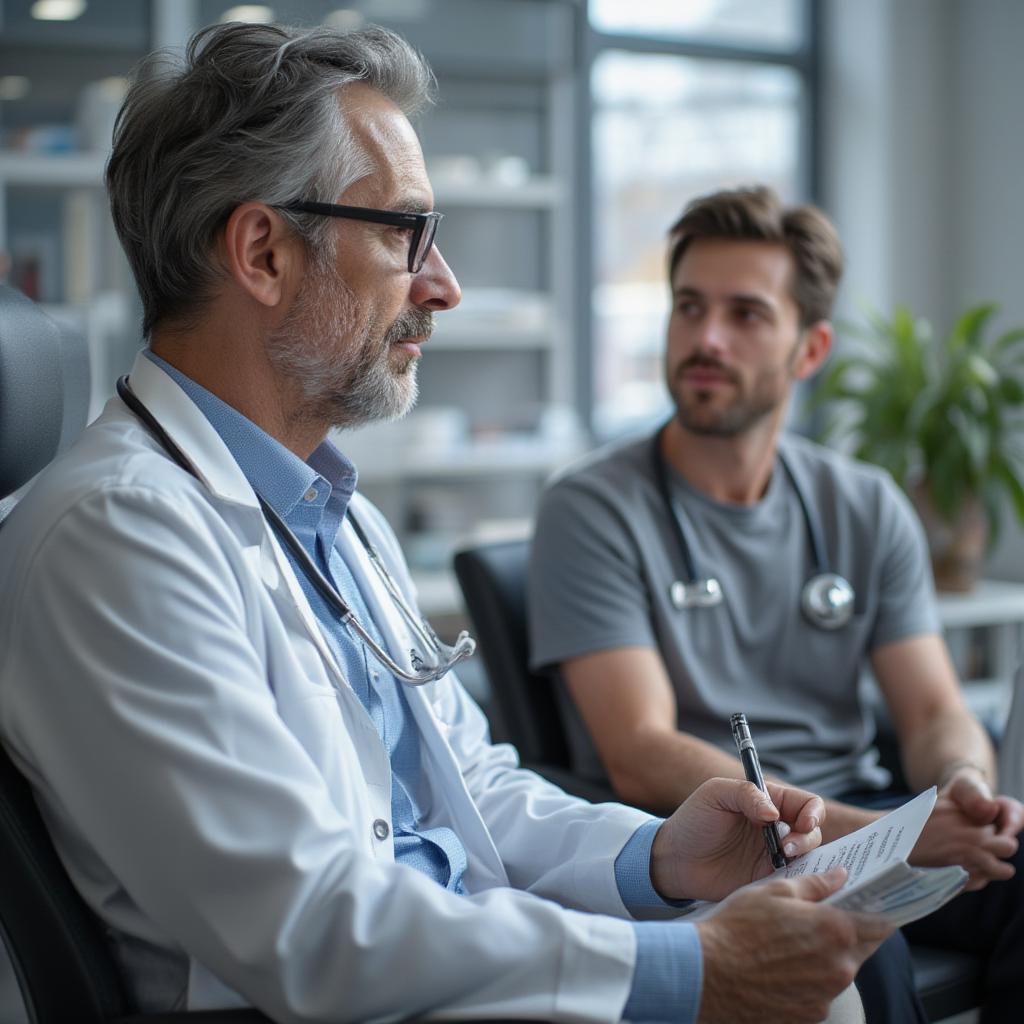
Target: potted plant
944,417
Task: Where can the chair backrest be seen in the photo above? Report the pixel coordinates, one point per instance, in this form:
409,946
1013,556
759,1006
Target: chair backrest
493,581
55,945
493,578
60,956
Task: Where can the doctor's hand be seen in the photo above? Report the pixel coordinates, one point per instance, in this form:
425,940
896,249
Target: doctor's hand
774,952
713,843
971,827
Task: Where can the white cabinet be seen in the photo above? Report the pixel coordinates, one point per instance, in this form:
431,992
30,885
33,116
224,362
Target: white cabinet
984,630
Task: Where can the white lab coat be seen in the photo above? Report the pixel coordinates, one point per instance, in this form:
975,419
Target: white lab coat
216,789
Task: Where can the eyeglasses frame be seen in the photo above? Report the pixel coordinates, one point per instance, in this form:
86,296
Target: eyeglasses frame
418,223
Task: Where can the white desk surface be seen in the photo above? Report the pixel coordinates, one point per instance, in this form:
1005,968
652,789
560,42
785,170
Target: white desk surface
990,603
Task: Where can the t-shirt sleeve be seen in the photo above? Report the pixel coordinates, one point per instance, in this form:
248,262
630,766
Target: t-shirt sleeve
586,590
906,592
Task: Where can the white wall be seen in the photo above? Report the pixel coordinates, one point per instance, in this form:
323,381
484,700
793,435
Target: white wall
924,162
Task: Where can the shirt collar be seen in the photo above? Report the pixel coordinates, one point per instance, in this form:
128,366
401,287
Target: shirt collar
274,472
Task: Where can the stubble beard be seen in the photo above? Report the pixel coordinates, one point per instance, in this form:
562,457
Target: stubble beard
698,415
347,370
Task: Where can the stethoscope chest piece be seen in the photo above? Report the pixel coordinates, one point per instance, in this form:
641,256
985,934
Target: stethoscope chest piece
705,593
827,600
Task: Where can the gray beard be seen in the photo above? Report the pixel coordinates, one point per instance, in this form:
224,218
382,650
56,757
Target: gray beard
350,385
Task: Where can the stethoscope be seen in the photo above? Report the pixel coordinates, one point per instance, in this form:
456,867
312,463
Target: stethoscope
444,657
827,597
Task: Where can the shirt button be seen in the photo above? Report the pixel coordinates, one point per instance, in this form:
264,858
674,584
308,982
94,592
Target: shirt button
381,829
310,495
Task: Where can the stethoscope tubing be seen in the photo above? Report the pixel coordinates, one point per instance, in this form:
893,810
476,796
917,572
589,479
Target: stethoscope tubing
447,656
823,578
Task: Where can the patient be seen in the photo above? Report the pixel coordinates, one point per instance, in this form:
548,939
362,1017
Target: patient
722,564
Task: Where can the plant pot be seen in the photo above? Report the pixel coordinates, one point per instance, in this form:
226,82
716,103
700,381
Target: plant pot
957,548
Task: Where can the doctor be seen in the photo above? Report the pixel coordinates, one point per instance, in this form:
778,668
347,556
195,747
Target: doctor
252,756
723,565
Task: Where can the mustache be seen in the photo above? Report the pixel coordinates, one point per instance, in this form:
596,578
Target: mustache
417,323
706,363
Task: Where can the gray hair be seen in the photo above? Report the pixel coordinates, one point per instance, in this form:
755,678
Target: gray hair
250,113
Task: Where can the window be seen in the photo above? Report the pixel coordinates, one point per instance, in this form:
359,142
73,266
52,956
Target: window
673,120
774,24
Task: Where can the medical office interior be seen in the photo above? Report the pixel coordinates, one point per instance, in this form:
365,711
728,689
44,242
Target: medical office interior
567,137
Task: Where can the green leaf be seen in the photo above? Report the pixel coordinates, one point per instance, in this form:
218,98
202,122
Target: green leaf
1011,479
967,330
1011,391
949,412
1007,341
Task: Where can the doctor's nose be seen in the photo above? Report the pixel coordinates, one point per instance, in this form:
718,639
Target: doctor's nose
434,286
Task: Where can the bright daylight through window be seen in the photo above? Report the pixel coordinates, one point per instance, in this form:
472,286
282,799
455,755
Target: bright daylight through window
669,126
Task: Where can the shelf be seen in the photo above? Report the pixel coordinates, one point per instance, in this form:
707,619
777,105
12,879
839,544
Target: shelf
53,170
536,193
485,337
478,459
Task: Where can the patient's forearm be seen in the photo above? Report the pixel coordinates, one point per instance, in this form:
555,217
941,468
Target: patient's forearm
951,738
664,768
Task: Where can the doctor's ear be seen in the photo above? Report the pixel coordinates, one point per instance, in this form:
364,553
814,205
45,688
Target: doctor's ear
262,255
815,345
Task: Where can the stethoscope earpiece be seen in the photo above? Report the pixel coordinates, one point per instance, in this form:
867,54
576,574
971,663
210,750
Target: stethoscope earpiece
704,593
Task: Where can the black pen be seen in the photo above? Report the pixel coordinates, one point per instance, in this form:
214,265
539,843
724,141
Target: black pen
752,770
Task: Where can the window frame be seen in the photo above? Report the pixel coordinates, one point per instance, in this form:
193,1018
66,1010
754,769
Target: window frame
805,61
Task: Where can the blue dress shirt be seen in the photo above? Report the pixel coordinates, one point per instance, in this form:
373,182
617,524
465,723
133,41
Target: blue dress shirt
312,498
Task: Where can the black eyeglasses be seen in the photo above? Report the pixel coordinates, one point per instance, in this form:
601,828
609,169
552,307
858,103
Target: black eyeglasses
422,225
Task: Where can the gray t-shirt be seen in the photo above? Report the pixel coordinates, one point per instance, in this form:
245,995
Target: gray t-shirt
604,557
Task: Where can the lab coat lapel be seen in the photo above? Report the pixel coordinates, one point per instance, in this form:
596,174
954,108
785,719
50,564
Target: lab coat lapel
220,473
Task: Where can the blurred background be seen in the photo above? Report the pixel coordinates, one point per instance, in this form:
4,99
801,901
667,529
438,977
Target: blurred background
567,137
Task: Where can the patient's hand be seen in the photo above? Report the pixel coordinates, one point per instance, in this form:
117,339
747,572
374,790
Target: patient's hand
971,827
714,842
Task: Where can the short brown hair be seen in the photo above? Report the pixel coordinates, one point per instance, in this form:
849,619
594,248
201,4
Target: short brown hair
757,214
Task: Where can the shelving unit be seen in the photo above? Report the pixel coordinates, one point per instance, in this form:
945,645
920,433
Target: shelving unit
539,192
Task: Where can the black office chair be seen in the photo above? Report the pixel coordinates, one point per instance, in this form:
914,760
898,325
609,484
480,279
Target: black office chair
525,712
493,581
62,961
